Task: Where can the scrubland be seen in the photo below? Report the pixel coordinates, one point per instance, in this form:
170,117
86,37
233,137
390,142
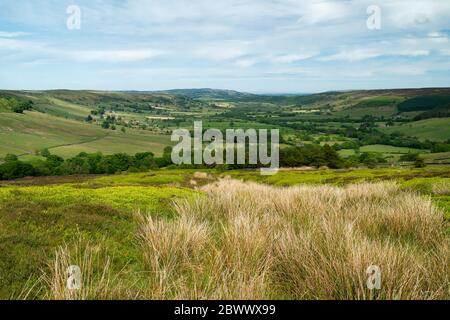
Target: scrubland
231,239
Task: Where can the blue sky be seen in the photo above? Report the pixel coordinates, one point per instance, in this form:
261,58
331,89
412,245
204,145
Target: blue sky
262,46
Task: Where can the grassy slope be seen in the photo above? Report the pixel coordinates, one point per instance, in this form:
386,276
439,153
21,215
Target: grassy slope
388,149
116,142
74,110
433,129
33,131
26,133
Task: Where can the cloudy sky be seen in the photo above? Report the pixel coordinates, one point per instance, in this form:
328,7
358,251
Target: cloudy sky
271,46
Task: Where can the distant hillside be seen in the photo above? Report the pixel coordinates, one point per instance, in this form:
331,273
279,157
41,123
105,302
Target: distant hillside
213,94
79,104
434,101
68,122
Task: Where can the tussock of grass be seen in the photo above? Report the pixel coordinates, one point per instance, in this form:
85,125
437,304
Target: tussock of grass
249,241
245,240
98,281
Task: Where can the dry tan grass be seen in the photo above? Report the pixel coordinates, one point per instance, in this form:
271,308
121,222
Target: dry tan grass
171,249
98,281
441,188
251,241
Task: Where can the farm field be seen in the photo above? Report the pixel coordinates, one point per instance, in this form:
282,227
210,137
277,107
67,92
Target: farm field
124,218
434,129
24,134
440,157
388,149
132,142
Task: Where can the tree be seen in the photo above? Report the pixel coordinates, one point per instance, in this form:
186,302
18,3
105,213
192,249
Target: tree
419,163
45,153
371,159
21,106
10,157
16,169
105,125
409,157
89,118
332,157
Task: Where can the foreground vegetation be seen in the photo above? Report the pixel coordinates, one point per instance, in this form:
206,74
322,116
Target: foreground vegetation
189,234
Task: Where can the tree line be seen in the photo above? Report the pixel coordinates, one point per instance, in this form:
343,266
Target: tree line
97,163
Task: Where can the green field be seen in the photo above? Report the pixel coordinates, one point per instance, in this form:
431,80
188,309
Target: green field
71,109
23,134
358,112
388,149
434,129
132,142
442,157
34,131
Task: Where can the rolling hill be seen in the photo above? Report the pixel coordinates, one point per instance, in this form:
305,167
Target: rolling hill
68,122
24,134
211,94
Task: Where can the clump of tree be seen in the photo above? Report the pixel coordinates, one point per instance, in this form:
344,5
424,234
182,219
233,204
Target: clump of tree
21,106
371,159
12,168
15,105
109,122
311,155
419,163
409,157
97,163
425,103
83,163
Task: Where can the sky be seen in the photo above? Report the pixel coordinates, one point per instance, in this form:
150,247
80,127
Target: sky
260,46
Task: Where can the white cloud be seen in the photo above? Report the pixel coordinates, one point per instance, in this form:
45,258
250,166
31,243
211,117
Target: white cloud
289,58
359,54
115,55
230,39
11,44
245,63
353,55
404,70
315,12
4,34
221,51
438,37
406,14
409,53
